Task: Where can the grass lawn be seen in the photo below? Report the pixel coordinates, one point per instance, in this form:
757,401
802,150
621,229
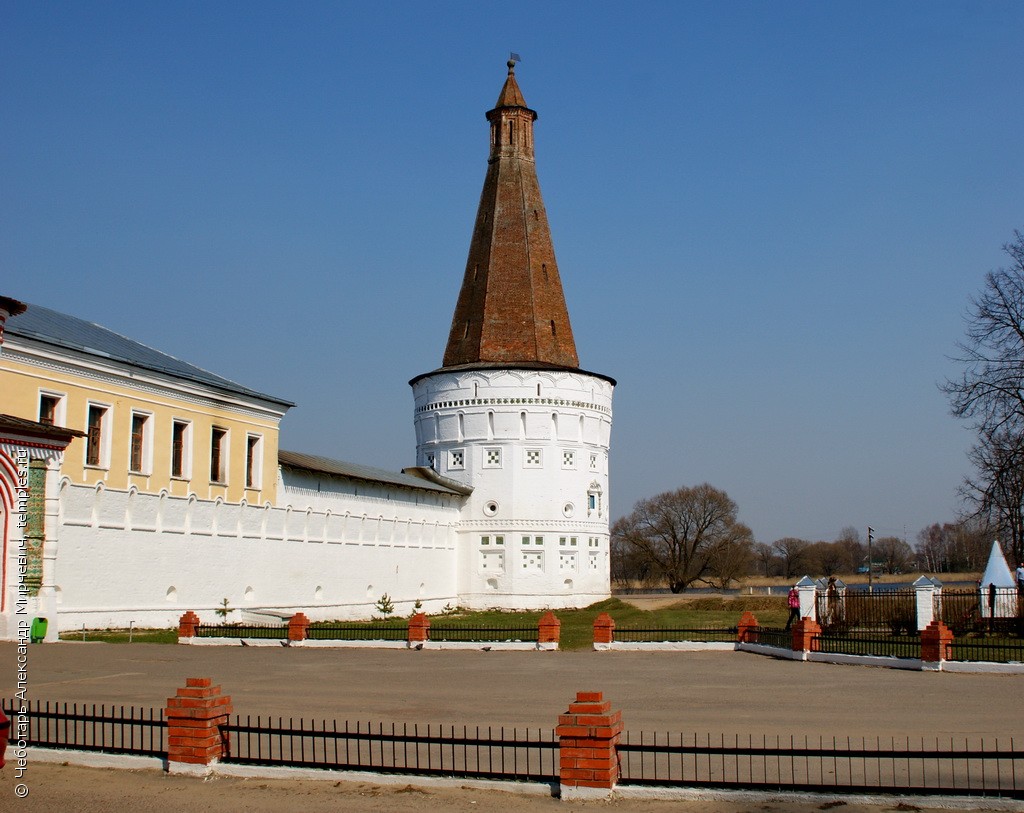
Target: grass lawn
577,625
138,636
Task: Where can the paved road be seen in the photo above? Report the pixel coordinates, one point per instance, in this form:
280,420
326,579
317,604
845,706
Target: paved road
716,692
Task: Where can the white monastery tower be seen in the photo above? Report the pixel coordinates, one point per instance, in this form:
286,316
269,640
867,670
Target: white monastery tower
510,414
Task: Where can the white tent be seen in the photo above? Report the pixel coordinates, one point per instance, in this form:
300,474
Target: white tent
997,573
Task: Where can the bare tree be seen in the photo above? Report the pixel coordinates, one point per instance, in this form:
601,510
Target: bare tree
954,546
792,554
679,533
827,558
990,393
996,491
766,558
893,554
732,558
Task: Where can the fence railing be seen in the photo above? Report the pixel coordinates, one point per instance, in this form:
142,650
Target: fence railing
242,631
88,727
894,646
892,610
984,767
515,754
357,632
675,634
772,636
969,766
979,609
455,632
1004,650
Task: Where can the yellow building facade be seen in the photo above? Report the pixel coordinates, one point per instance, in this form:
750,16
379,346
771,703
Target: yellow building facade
149,421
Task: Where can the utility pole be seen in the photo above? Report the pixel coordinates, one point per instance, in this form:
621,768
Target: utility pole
871,560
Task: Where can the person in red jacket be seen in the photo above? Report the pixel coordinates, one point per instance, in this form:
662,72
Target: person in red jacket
793,600
5,733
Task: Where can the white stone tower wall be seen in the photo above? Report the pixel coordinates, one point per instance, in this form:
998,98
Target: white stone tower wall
534,447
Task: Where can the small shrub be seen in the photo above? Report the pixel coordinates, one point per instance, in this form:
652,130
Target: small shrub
385,606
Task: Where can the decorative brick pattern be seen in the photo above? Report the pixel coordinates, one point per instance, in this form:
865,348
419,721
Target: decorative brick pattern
511,308
588,734
194,717
936,639
419,629
188,625
604,629
549,629
804,632
297,626
745,633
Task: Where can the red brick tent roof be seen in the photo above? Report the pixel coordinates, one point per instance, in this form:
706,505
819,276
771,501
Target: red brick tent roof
511,310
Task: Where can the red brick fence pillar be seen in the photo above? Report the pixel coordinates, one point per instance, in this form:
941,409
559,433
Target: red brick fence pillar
297,626
745,629
588,734
804,632
936,639
549,631
604,631
419,630
188,625
194,716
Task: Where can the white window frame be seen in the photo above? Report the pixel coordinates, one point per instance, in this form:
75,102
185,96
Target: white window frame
146,469
225,456
106,421
487,453
186,450
530,464
60,410
459,463
257,461
568,459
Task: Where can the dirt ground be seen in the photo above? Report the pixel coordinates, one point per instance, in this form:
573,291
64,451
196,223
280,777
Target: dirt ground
717,692
96,790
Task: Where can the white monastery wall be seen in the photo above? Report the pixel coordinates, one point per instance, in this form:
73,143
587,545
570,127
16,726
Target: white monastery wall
533,444
127,556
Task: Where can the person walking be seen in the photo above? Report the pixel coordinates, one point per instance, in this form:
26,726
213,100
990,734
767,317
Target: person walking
793,600
1019,576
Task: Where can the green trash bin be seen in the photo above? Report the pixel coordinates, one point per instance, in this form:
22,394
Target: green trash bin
38,631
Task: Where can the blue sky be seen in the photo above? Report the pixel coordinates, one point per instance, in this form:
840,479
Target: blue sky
768,217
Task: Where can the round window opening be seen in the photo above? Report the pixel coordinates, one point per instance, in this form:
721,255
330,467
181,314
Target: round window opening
490,508
568,509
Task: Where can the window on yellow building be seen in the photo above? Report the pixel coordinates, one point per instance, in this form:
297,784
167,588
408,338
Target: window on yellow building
253,460
218,455
181,449
138,463
50,408
95,449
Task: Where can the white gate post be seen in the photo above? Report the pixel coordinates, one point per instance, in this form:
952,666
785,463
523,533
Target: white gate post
807,590
925,599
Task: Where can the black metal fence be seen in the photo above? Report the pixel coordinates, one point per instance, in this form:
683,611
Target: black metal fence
979,609
272,631
515,754
112,729
974,768
454,632
978,767
894,646
894,611
772,636
992,650
358,632
675,634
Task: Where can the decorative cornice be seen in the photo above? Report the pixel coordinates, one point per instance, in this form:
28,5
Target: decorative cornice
471,402
146,383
